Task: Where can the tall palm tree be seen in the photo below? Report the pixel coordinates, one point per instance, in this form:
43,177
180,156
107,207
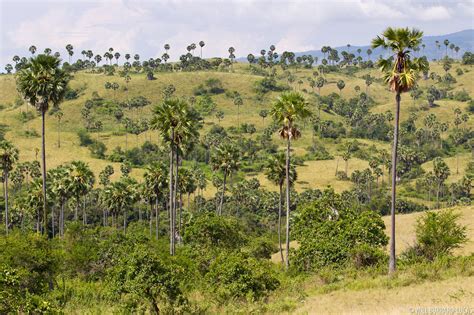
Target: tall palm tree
227,159
62,190
289,108
43,83
401,76
70,51
446,43
276,172
178,125
155,181
8,157
82,182
201,44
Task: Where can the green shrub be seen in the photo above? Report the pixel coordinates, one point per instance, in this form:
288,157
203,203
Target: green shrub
26,116
211,231
84,138
364,255
462,96
28,266
98,149
261,248
438,233
141,279
328,230
234,276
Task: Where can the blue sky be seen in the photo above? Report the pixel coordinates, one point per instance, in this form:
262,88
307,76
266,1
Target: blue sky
133,26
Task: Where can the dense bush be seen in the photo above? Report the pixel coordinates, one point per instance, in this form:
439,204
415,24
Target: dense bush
328,230
211,231
234,276
438,233
261,248
28,266
143,279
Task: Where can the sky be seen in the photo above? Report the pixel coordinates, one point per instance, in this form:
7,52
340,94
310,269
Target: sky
143,27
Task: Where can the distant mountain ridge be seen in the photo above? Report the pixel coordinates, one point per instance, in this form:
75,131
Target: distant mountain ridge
464,39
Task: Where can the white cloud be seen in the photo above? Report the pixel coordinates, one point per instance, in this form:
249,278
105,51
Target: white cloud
435,13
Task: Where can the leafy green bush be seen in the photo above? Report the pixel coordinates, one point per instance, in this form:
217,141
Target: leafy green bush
328,230
234,276
211,231
98,149
26,116
84,138
438,233
28,266
364,255
141,279
462,96
261,248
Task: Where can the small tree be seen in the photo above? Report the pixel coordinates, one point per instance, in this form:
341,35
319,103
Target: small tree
438,233
441,172
143,276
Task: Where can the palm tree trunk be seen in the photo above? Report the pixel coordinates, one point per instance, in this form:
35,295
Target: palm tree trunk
59,133
157,218
52,221
43,159
392,263
84,216
279,222
125,220
437,195
180,216
222,194
287,170
171,195
5,188
175,195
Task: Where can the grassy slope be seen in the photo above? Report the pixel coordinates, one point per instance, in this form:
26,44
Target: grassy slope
315,174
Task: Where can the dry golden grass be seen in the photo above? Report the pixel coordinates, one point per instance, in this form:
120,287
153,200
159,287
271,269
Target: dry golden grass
451,293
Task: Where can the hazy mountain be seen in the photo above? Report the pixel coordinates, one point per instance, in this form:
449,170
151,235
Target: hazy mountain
463,39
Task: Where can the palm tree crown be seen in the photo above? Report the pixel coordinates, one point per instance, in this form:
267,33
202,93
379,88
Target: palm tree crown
288,108
401,75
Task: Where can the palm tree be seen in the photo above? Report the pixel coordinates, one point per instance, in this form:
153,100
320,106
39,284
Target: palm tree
201,44
178,125
59,115
227,159
289,108
43,83
155,182
117,56
446,43
70,51
62,189
32,49
238,102
276,172
82,181
8,157
401,77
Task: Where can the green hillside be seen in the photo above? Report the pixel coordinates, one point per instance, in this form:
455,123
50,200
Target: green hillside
314,174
